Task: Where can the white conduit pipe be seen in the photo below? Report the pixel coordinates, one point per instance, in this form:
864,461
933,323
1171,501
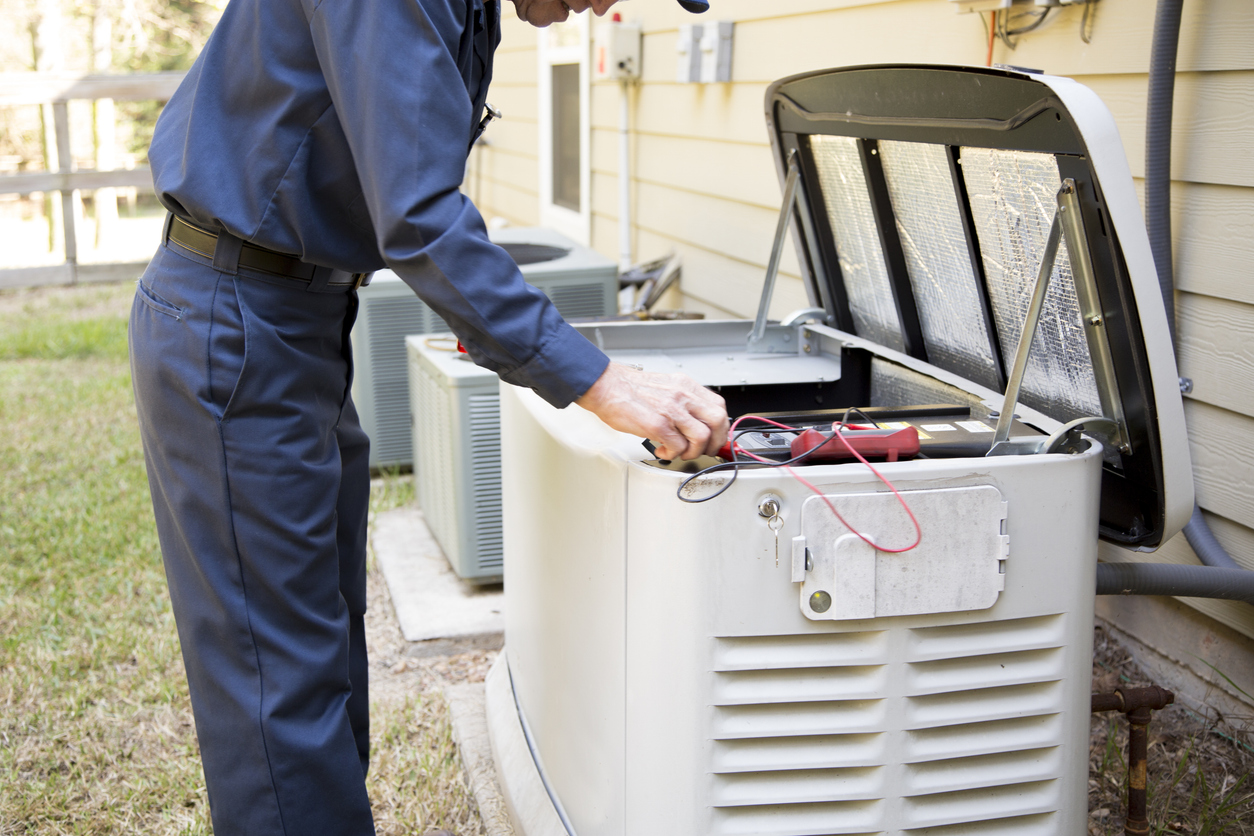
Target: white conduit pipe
624,180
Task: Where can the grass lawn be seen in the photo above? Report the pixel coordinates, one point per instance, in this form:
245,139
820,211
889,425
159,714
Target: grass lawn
96,732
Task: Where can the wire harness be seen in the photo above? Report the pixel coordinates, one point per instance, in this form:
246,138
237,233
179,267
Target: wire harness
752,460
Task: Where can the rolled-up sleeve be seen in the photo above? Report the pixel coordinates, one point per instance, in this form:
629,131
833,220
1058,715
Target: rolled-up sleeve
392,70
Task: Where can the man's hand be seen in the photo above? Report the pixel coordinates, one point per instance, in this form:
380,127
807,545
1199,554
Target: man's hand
678,414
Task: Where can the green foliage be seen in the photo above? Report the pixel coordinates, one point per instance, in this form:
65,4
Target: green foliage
172,36
148,36
103,337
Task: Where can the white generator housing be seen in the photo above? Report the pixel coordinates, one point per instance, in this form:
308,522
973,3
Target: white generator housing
580,281
457,454
720,652
672,683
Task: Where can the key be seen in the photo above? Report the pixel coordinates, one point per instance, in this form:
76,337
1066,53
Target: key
775,523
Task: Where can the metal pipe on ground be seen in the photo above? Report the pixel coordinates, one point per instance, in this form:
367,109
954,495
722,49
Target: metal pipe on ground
1138,705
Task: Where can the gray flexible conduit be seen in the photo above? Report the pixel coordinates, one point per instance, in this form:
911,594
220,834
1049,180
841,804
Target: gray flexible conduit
1203,541
1220,576
1162,82
1170,579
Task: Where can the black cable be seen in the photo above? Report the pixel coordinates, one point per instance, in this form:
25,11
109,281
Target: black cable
1039,19
735,464
1086,36
1159,104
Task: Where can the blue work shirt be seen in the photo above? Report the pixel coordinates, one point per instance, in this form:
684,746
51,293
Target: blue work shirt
338,131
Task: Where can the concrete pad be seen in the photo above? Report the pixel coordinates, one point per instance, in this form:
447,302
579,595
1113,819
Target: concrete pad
438,611
470,731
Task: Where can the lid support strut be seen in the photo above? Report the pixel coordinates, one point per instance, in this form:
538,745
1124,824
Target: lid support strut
1067,217
1030,323
777,249
1091,314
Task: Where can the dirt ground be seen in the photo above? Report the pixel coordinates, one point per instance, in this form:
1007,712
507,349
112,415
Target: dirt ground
407,691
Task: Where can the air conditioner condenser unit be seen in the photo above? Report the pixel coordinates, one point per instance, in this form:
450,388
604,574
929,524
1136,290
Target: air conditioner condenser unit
580,281
736,651
457,454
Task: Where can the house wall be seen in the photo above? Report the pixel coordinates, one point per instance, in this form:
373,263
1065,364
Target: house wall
704,184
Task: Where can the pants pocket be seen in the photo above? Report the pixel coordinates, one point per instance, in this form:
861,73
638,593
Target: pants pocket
145,294
228,345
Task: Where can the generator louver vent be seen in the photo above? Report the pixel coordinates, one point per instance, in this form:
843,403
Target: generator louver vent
802,728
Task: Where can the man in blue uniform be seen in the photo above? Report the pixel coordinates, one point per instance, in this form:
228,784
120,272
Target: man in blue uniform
313,142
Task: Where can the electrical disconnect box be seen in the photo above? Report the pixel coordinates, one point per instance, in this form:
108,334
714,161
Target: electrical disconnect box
716,51
688,54
704,52
616,51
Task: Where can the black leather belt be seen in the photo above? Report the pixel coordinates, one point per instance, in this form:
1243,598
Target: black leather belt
203,242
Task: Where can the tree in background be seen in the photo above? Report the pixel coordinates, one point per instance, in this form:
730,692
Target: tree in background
94,36
158,36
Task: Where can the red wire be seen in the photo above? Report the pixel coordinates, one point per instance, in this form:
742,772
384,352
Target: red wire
736,448
992,36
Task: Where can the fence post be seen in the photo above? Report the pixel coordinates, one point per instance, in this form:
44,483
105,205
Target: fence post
65,164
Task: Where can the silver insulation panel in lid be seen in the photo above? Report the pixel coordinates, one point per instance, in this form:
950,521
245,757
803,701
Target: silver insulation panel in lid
938,257
857,243
1012,198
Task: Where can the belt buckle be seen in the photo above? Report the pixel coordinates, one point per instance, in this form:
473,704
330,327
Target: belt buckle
359,280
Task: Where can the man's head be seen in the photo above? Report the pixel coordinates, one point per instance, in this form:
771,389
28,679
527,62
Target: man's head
544,12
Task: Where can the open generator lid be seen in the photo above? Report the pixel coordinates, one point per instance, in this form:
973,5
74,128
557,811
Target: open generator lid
930,202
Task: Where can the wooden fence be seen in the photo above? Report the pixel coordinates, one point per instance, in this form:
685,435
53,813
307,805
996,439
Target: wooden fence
57,89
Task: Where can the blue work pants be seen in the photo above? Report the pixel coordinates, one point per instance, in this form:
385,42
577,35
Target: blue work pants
260,483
